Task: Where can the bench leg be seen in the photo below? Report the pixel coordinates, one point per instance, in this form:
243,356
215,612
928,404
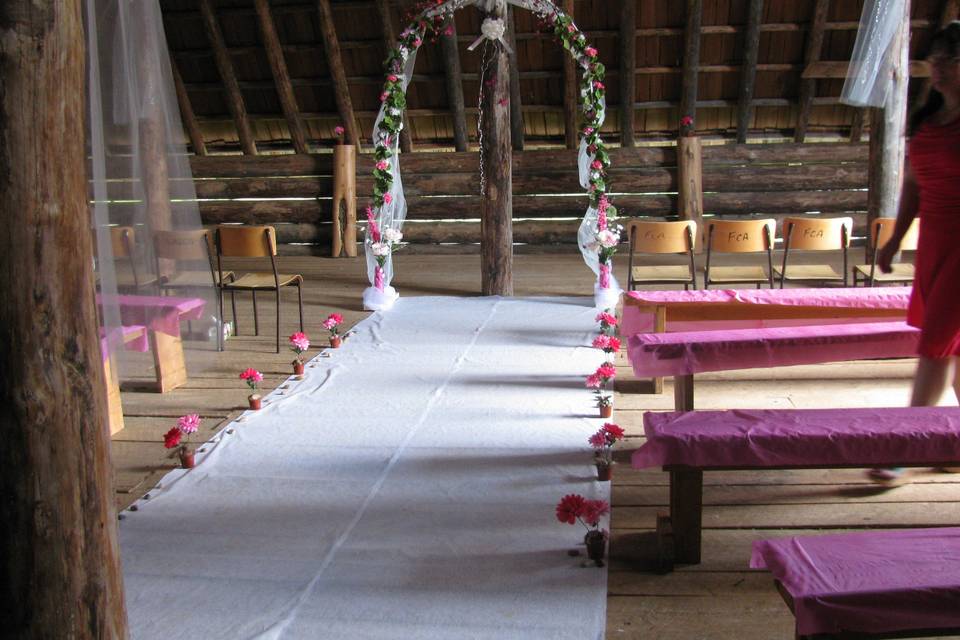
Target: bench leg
686,511
683,392
659,326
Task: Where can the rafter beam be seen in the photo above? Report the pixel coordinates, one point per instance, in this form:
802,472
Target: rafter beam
281,77
748,73
341,90
808,86
691,59
225,67
628,70
838,69
569,91
516,105
186,112
389,41
451,68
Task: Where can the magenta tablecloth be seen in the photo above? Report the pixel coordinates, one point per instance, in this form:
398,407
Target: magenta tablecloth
801,437
635,320
670,354
869,582
119,337
158,313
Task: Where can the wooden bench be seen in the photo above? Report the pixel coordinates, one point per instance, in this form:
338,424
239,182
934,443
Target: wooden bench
132,337
684,353
901,583
686,444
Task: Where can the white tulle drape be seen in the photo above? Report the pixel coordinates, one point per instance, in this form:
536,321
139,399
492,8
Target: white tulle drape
874,58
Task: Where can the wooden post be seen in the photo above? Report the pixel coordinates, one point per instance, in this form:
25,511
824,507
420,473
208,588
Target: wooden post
152,130
389,41
748,76
341,90
344,201
690,183
496,207
451,67
887,128
232,88
570,93
856,127
808,86
659,326
281,77
186,112
628,71
58,531
686,514
691,60
516,105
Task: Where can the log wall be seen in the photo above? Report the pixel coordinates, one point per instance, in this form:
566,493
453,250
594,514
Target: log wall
294,192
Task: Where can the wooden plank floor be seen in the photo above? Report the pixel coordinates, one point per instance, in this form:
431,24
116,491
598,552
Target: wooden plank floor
719,598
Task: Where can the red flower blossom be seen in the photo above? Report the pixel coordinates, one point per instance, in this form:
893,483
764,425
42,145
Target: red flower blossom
172,438
606,370
613,430
686,121
592,510
570,508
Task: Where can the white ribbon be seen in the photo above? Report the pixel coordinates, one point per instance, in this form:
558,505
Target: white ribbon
492,29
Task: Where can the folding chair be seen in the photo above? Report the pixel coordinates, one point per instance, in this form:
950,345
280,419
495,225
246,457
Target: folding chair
662,238
881,231
740,236
814,234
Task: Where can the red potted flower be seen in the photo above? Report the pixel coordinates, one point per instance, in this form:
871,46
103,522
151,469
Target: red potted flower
603,441
179,438
598,381
252,377
299,343
575,508
332,324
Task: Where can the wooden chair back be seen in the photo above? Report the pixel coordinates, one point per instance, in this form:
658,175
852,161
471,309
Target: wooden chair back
183,245
881,230
817,234
121,241
741,236
241,241
648,236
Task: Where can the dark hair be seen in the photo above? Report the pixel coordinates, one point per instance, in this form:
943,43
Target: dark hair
947,41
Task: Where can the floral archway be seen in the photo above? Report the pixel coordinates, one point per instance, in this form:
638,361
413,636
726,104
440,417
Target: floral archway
598,235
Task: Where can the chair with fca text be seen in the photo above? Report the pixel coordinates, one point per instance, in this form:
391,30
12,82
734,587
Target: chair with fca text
881,230
739,236
815,234
236,241
654,237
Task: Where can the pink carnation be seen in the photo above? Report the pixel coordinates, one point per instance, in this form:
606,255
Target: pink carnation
686,121
417,42
590,51
333,321
387,198
392,78
382,165
300,342
587,131
569,508
592,510
598,85
596,164
571,28
607,318
598,440
384,96
606,370
614,431
251,377
601,342
338,130
188,423
593,381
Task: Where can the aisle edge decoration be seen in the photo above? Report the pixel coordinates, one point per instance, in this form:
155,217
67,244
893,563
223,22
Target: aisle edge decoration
597,237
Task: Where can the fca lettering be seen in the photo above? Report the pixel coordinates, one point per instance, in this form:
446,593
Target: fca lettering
734,236
650,235
813,233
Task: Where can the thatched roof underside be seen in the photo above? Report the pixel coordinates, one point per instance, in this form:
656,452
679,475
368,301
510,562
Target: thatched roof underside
659,33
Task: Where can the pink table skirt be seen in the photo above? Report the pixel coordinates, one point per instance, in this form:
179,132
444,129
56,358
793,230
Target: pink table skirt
801,437
158,313
636,320
680,353
121,336
869,582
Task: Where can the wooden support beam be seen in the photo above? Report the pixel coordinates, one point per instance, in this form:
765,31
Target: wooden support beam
451,68
838,69
152,129
496,208
808,86
691,60
186,112
690,184
341,90
628,71
748,73
856,126
516,104
225,67
570,93
389,41
58,524
281,77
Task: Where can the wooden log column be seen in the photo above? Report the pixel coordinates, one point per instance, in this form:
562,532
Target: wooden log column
451,68
748,76
152,128
344,201
341,90
628,71
496,208
690,178
58,531
516,105
808,86
691,60
186,112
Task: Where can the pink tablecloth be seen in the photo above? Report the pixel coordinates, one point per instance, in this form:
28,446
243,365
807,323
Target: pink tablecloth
158,313
870,582
636,321
670,354
801,437
121,336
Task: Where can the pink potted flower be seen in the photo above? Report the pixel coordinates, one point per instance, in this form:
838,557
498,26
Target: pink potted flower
299,343
686,126
252,377
598,381
608,344
603,441
608,322
332,324
179,438
574,508
338,132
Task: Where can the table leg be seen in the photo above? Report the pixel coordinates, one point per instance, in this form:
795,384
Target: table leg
168,360
683,392
114,408
659,326
686,513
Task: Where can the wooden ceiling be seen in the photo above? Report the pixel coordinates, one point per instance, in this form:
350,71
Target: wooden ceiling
786,45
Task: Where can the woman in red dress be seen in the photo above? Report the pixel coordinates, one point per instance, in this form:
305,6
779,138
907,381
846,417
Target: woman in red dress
931,190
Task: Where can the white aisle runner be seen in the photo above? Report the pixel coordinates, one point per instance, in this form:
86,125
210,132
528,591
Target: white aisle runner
405,489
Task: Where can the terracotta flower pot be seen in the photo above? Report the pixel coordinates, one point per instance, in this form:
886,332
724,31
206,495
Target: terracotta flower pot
604,472
297,368
606,411
186,458
596,546
335,342
254,401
